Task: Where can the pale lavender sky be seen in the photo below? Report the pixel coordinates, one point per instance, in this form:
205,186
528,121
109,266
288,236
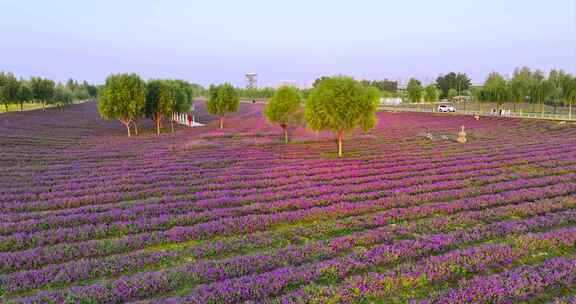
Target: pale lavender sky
296,40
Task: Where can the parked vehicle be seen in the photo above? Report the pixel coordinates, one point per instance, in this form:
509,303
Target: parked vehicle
444,108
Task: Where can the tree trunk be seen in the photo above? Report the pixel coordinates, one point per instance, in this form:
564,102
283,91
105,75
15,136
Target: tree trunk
127,128
157,126
6,106
221,123
285,134
43,105
135,128
570,110
21,106
339,136
172,125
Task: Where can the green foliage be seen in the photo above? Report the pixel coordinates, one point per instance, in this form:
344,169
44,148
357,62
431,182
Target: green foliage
63,95
123,97
414,90
284,108
385,85
452,93
431,93
518,86
9,87
257,93
160,100
340,104
495,88
457,81
24,93
42,89
184,94
222,99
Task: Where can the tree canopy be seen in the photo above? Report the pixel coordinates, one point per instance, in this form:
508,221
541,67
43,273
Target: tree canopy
284,108
431,93
42,90
495,88
9,87
123,97
414,90
340,104
160,98
222,99
457,81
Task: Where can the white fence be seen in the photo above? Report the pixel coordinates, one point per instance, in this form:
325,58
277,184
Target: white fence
186,119
493,112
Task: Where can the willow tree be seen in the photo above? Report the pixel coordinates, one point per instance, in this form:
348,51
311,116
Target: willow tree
340,104
222,99
415,90
123,98
284,108
496,88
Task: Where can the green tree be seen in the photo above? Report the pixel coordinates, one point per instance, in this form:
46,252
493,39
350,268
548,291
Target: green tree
458,81
123,97
518,86
452,93
222,99
159,100
571,95
24,93
62,95
414,90
42,90
92,90
496,88
183,98
284,108
431,93
8,89
340,104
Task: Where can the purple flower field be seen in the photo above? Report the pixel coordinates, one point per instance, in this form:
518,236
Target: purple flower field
204,215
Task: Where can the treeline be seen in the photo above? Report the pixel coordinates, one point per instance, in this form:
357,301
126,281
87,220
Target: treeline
127,98
19,91
558,88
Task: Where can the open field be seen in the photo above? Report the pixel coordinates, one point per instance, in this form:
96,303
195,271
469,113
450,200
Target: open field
201,215
16,107
27,106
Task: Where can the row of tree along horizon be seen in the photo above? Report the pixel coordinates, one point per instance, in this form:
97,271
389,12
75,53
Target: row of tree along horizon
524,86
19,91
